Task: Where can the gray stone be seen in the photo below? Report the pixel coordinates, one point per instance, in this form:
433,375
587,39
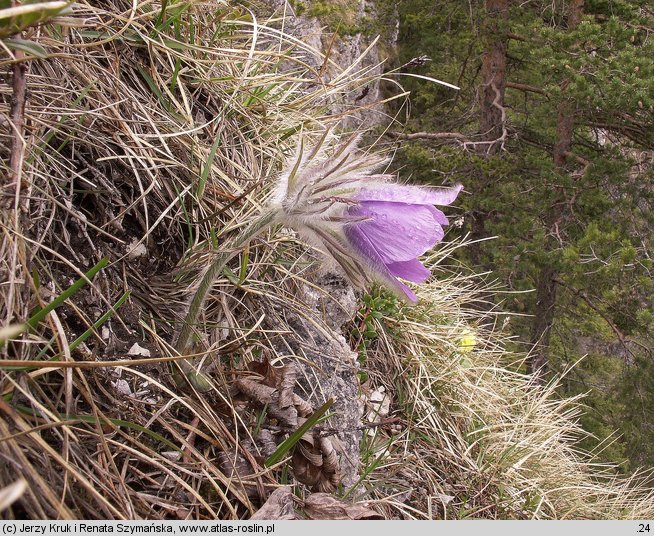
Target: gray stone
327,366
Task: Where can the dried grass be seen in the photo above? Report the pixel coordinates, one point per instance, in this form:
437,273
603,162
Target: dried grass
150,137
478,438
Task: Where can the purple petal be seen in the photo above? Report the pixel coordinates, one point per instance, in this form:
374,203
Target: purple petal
413,195
412,270
397,231
368,252
439,216
408,292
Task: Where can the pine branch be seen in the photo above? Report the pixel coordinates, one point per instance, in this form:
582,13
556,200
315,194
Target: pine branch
429,136
516,37
581,294
527,88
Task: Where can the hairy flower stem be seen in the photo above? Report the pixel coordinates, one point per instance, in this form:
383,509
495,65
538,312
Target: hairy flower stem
196,379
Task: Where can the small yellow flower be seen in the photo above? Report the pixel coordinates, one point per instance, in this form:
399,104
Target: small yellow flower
468,341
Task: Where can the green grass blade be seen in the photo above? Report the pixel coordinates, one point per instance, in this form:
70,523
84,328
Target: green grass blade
187,217
77,285
29,47
79,339
15,18
37,317
204,176
369,469
116,422
292,440
161,14
99,322
243,272
163,99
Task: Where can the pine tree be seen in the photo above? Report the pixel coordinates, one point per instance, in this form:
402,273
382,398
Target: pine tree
567,189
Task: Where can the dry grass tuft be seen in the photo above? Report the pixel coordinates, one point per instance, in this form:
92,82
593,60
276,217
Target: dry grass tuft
479,439
151,135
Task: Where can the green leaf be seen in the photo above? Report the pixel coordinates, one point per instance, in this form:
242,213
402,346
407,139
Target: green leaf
231,276
292,440
29,47
163,100
14,20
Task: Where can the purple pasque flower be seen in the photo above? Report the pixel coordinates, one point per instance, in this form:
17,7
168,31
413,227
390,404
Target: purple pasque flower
396,225
373,228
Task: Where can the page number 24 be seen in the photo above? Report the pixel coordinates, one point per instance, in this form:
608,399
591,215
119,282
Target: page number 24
642,527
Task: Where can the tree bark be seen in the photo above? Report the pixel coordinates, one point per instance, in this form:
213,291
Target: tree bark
492,114
575,13
542,324
565,123
546,286
493,71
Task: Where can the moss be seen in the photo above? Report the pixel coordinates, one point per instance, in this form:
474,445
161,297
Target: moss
298,7
340,16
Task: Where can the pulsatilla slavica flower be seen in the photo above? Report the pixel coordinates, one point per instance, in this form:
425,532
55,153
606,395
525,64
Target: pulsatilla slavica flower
372,227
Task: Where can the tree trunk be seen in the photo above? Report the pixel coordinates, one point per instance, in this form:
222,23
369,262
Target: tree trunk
575,12
546,285
493,72
542,324
565,123
492,128
566,110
